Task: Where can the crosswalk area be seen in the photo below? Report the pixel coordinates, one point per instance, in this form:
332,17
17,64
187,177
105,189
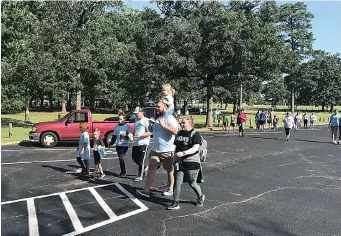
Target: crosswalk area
69,213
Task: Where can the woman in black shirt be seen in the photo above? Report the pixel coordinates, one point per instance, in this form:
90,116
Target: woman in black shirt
187,161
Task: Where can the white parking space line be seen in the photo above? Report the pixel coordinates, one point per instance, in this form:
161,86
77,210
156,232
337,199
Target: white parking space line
32,218
73,216
78,227
103,204
55,194
50,161
134,199
38,149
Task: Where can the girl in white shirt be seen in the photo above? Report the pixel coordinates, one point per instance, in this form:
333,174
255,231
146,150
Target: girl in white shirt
289,123
312,120
168,98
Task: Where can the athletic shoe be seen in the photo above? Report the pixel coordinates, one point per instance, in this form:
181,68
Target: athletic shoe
101,176
138,178
201,200
123,174
145,172
168,192
335,142
92,178
174,206
143,192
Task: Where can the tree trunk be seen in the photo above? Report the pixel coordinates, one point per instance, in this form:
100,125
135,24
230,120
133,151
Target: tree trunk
92,102
209,115
292,100
331,107
78,100
323,107
42,101
234,106
27,111
241,96
69,98
63,103
51,100
226,106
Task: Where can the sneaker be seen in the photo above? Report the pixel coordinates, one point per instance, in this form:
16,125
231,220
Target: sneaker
145,172
92,178
174,206
138,178
123,174
101,176
143,192
335,142
85,173
169,192
201,200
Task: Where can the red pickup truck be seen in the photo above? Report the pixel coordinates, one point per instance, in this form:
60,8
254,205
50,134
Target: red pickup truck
67,128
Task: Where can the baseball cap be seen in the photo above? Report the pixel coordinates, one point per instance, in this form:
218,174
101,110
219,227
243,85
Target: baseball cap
138,109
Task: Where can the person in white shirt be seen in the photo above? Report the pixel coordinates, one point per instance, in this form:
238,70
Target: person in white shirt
312,120
298,120
289,123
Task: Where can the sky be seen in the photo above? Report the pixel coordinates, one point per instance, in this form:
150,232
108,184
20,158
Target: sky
325,25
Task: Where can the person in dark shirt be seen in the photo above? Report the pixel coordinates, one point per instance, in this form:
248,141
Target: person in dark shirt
98,154
187,159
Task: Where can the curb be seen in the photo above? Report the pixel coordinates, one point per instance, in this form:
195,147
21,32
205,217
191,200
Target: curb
16,142
5,144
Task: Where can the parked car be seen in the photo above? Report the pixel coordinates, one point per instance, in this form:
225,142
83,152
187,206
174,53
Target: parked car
67,128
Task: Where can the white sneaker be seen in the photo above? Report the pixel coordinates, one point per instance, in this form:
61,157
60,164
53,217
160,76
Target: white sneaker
169,192
335,142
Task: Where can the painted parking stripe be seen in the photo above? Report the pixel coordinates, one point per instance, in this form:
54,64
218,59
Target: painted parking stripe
49,161
72,214
78,227
134,199
55,194
32,218
103,204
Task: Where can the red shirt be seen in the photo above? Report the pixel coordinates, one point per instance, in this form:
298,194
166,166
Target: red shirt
242,117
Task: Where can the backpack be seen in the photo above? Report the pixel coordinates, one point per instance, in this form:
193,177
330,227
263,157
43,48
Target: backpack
202,148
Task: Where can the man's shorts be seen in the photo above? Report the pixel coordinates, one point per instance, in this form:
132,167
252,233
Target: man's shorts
166,158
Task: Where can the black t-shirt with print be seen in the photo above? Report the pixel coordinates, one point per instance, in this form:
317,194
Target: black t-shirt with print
97,142
183,142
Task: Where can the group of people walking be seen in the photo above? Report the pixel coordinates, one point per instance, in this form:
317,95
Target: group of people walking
176,150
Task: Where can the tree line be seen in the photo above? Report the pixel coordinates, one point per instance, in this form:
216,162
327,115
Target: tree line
110,53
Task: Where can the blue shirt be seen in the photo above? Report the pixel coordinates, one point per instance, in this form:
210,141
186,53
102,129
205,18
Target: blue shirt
334,120
263,116
164,140
258,116
141,127
122,129
84,139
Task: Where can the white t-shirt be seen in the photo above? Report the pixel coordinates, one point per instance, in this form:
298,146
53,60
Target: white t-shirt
288,122
313,118
170,99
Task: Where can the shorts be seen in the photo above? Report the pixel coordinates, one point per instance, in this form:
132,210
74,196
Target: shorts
261,122
97,159
334,129
224,124
166,158
232,124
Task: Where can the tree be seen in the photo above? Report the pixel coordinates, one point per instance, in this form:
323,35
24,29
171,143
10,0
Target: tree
295,22
275,91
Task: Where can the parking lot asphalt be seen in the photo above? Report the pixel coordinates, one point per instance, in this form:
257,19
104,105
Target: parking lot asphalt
256,185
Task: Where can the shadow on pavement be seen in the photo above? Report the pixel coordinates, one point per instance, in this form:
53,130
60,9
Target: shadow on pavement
153,198
27,143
